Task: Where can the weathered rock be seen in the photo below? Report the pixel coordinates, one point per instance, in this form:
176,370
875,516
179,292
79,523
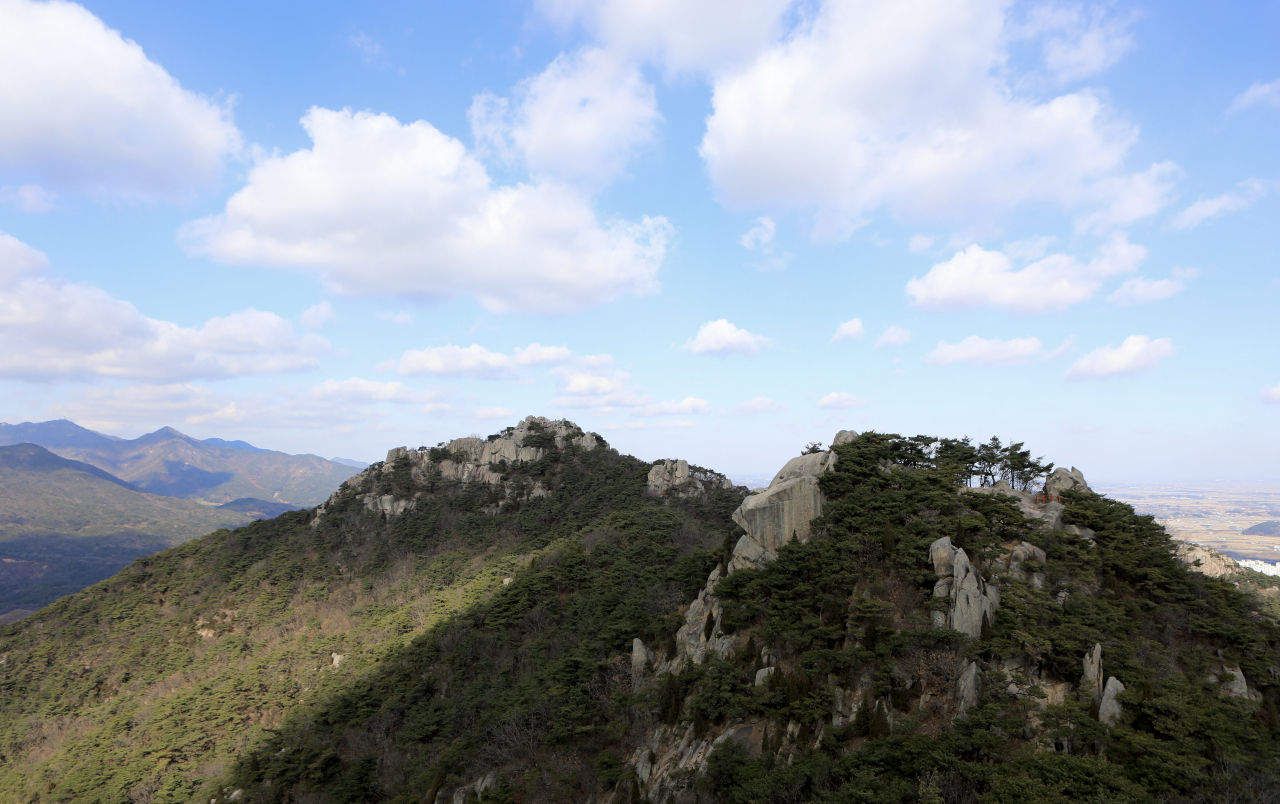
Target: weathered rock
641,661
666,474
762,675
815,464
775,516
1093,671
487,783
1084,533
1064,479
941,553
1206,561
1109,709
969,688
971,597
1234,683
843,437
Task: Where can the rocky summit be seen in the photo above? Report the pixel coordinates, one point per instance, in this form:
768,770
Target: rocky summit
534,616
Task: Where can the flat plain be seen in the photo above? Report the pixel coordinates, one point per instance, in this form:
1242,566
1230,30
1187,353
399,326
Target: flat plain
1209,514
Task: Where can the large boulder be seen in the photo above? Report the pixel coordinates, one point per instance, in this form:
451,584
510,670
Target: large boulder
1064,479
1206,561
1093,671
843,437
969,687
666,474
970,598
773,517
1109,710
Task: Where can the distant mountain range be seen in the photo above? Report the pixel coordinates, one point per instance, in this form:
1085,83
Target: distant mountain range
176,465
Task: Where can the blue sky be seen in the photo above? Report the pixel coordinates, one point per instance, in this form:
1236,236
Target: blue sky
707,230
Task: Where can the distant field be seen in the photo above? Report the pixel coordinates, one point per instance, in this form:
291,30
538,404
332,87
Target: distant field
1211,514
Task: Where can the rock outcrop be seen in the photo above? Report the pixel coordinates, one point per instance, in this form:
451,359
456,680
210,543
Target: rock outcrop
674,477
1064,479
782,511
1206,561
1092,677
969,688
1109,709
969,599
472,459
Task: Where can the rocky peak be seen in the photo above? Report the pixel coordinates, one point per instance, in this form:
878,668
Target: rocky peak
676,478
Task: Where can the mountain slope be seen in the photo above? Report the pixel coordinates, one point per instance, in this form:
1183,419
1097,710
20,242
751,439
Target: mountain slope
65,525
171,463
538,618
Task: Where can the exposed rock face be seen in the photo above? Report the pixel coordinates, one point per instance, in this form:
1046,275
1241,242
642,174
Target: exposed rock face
969,687
641,660
784,510
473,459
843,437
674,477
1206,561
1064,479
1109,710
1013,563
1093,671
1048,512
970,597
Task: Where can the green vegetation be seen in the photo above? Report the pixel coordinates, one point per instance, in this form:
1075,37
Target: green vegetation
362,658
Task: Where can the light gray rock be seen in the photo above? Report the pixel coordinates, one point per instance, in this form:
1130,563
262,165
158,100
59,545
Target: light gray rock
1093,671
813,465
641,660
1234,683
782,511
487,783
941,553
1206,561
969,688
1109,710
843,437
762,675
1084,533
667,474
1064,479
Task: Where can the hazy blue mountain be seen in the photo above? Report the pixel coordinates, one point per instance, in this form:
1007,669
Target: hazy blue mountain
222,443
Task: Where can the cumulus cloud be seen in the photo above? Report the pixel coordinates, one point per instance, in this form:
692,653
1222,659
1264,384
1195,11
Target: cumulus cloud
317,315
1258,94
581,119
477,361
988,352
838,400
379,207
908,106
1241,198
55,330
86,111
1079,42
976,278
849,330
760,235
706,36
894,336
1138,353
756,405
1131,197
721,338
594,384
326,406
1140,290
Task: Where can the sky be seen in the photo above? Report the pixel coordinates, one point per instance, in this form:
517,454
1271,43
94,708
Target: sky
706,230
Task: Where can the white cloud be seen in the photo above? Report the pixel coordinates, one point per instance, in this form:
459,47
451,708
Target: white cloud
977,277
369,48
1137,354
705,37
493,413
907,106
721,338
606,391
477,361
759,235
920,243
849,330
55,330
379,207
401,319
1271,395
894,336
317,315
28,197
838,400
326,406
1079,42
1247,192
1131,197
756,405
1258,94
989,352
581,119
86,111
1140,290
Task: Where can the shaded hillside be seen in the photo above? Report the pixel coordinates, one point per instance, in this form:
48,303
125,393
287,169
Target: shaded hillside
1269,528
171,463
258,509
65,525
535,617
